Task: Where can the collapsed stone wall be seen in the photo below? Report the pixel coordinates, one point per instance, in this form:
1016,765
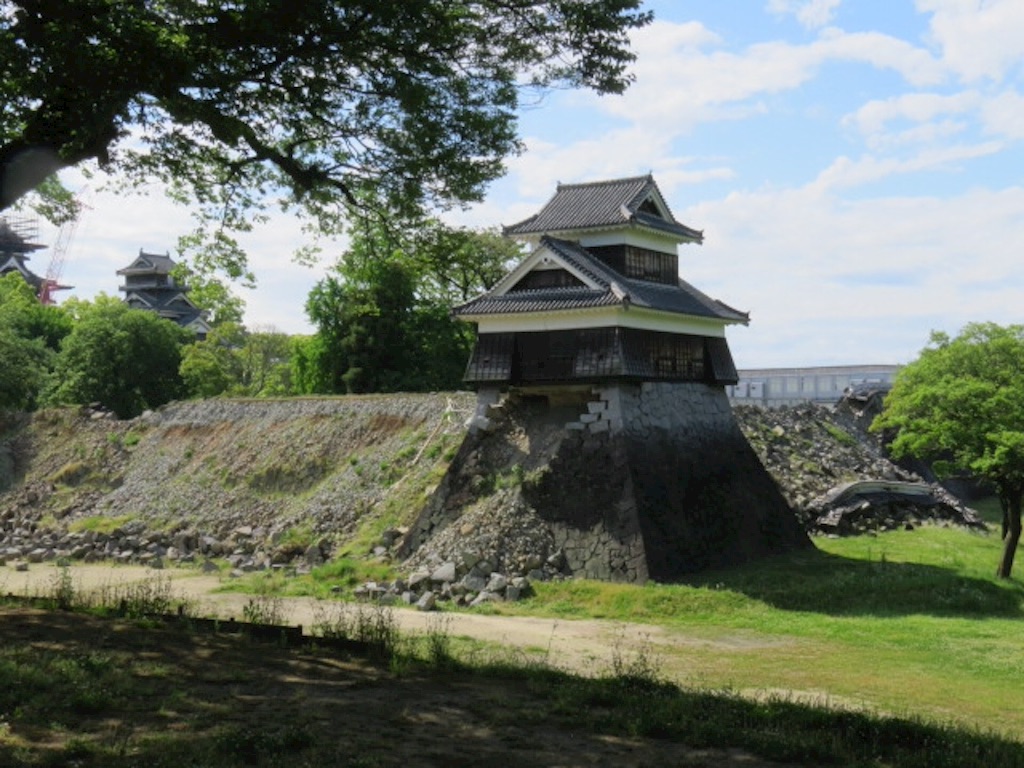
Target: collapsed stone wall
813,451
529,496
261,483
555,488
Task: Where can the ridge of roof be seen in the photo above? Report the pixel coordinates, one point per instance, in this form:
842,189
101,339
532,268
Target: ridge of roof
647,177
603,204
159,262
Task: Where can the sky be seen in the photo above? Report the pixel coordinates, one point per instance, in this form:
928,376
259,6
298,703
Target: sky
856,168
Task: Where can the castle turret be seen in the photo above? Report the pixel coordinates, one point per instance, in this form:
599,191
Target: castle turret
600,298
149,284
600,378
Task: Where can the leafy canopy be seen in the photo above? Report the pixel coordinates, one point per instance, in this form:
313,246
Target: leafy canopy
383,317
329,104
962,403
127,359
30,334
236,362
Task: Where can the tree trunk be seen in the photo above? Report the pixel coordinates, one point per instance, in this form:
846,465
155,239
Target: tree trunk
24,167
1012,525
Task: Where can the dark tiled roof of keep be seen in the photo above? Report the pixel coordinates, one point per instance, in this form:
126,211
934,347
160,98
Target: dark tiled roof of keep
150,263
613,289
601,204
167,303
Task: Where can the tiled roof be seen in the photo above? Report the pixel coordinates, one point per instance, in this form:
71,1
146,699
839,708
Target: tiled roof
161,264
16,263
613,289
601,204
170,303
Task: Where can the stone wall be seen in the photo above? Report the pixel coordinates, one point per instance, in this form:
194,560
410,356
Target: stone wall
625,483
704,499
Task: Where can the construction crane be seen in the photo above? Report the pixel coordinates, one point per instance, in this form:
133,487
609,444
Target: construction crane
51,283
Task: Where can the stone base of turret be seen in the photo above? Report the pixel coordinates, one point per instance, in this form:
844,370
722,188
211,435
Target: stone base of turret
629,482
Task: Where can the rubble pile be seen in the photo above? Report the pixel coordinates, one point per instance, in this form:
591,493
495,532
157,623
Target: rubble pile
469,582
245,549
822,459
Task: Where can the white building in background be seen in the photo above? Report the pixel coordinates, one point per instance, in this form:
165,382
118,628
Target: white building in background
773,387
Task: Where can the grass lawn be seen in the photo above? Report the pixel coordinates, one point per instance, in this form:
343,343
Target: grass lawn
911,623
907,623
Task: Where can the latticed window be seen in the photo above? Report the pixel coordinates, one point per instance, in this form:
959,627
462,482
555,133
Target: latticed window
645,264
567,355
492,358
670,356
639,263
599,353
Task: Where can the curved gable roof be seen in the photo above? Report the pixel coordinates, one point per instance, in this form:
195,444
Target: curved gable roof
605,287
149,263
603,204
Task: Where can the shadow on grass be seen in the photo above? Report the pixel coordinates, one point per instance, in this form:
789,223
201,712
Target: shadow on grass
821,582
76,690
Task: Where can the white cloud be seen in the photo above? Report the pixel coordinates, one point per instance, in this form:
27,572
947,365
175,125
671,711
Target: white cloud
914,64
812,14
632,151
874,116
833,281
979,39
845,172
1003,115
680,82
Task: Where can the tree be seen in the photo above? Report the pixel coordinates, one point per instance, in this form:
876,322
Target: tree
265,363
234,361
368,328
30,333
210,367
961,403
25,364
335,103
454,264
127,359
383,319
311,373
212,294
21,311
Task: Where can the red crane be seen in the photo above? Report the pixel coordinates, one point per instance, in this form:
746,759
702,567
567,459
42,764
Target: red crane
51,283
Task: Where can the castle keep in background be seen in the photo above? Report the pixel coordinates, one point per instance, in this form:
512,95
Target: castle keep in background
593,352
149,284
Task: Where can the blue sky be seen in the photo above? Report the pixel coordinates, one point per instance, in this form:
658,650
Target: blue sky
855,166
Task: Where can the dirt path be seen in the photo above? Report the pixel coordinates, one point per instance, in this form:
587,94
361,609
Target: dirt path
439,721
586,646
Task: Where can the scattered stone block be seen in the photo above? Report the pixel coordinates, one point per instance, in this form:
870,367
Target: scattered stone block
444,573
427,602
